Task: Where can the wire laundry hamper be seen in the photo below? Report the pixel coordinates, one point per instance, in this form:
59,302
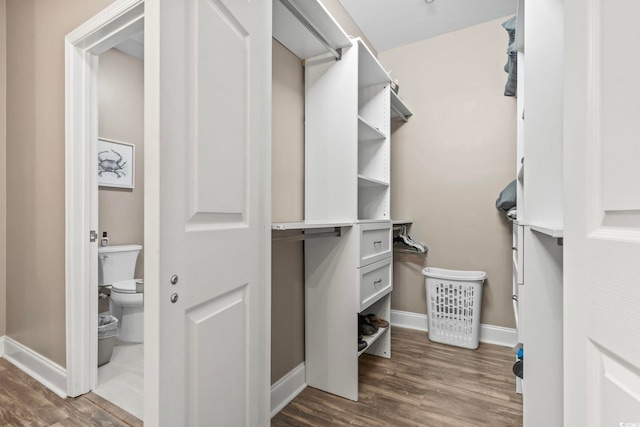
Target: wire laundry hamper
454,300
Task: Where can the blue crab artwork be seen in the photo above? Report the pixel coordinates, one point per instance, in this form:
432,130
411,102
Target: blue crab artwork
108,164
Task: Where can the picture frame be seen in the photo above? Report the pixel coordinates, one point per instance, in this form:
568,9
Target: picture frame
116,164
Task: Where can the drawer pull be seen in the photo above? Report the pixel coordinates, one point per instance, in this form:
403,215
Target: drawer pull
377,282
514,297
514,248
377,242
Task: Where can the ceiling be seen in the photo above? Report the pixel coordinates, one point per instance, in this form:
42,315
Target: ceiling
133,46
392,23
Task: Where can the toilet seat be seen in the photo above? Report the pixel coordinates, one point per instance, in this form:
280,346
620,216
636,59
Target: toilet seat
124,286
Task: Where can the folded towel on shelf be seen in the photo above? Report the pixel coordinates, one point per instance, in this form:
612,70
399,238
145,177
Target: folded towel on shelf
507,198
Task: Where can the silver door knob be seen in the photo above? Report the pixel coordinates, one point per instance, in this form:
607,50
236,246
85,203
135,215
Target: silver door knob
174,298
174,279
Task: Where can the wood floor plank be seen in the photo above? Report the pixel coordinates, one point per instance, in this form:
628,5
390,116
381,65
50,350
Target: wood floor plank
423,384
26,402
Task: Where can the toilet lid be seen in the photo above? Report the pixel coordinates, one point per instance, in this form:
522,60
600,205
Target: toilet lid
124,286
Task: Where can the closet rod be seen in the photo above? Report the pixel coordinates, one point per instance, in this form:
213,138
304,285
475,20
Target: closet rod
337,53
336,232
402,116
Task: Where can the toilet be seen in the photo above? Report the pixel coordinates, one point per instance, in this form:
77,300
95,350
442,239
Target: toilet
116,268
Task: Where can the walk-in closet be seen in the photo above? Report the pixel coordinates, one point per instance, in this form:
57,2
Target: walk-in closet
387,162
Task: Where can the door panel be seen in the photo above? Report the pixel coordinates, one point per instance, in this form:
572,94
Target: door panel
219,93
617,387
602,214
207,212
218,368
618,68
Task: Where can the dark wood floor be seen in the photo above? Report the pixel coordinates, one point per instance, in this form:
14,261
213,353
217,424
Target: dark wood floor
423,384
26,402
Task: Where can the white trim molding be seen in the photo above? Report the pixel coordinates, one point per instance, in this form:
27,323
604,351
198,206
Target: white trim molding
490,334
287,388
45,371
113,25
2,338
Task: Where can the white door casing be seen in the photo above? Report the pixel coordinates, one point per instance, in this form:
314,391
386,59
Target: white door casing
207,212
602,214
82,46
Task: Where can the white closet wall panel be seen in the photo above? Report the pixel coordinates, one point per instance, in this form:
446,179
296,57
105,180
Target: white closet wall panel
329,138
543,87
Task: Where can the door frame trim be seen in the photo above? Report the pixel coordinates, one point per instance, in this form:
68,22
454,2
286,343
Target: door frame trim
82,47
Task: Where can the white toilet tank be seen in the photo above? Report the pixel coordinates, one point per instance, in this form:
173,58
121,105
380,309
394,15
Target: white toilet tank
116,263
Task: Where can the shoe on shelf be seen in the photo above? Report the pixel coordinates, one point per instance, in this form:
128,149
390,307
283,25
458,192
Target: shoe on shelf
365,327
378,321
361,344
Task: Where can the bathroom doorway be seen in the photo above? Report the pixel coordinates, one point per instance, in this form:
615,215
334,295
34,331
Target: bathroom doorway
120,153
104,109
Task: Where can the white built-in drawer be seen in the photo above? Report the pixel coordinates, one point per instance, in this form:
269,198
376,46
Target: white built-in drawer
375,242
376,281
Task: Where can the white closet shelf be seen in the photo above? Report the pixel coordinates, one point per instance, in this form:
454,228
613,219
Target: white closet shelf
370,72
368,132
401,222
307,29
371,221
519,41
307,225
551,230
398,109
370,339
365,181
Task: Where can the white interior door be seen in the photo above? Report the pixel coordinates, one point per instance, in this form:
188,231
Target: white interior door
208,103
602,213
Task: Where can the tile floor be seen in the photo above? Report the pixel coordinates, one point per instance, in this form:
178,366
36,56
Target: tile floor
121,381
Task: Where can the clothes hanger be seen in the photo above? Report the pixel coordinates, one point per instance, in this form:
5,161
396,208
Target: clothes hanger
406,240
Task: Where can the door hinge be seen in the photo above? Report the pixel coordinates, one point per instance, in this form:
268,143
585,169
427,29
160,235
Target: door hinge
93,236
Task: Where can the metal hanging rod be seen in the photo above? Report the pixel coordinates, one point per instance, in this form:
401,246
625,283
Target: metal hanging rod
402,116
337,53
336,232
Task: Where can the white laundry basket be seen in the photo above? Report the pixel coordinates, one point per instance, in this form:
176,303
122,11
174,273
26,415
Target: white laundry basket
454,299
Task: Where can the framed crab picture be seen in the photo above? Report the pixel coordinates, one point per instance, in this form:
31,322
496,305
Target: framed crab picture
116,162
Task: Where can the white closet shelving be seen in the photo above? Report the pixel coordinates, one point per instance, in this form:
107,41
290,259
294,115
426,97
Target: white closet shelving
307,29
538,232
398,109
347,160
348,104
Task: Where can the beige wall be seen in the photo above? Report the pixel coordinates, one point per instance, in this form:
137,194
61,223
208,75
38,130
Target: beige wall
35,172
451,160
121,118
3,167
287,201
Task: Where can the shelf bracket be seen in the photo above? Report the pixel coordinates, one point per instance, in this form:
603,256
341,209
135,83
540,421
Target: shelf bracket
305,235
336,52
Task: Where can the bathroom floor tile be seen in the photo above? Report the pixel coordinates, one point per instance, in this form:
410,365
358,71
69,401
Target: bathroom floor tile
121,381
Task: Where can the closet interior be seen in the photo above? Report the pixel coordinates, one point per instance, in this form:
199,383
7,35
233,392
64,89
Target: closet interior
347,229
350,115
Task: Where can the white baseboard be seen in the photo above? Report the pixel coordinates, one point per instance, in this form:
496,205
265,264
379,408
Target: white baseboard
406,319
506,337
286,388
2,346
50,374
489,334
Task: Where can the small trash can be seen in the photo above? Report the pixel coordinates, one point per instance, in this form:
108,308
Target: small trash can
454,299
107,332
